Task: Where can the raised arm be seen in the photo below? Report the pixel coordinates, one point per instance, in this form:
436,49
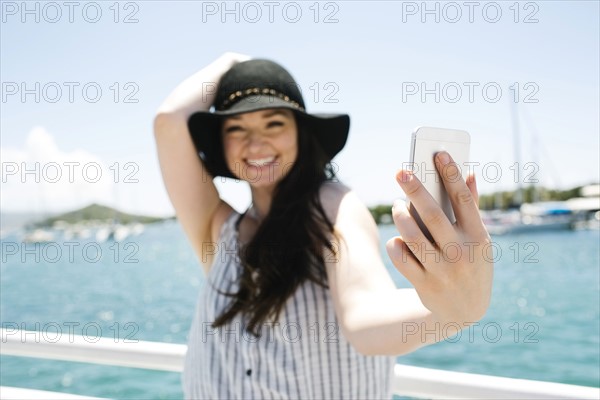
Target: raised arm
189,185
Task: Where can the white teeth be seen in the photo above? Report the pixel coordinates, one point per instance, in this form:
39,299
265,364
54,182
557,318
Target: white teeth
261,161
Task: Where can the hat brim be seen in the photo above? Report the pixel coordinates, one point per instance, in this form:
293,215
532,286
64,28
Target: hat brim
331,130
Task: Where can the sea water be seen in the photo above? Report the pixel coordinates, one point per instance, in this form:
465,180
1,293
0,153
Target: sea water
543,322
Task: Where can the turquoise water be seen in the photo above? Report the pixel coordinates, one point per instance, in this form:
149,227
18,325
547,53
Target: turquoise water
543,322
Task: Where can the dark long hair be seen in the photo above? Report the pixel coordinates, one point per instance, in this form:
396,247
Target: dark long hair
287,248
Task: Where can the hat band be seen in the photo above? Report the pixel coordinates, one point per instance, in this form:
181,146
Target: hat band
240,94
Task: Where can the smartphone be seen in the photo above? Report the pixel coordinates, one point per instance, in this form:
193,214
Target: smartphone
426,142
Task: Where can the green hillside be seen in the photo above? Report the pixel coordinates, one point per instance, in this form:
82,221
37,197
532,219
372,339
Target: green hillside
97,212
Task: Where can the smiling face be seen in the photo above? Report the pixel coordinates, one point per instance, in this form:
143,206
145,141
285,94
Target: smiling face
260,147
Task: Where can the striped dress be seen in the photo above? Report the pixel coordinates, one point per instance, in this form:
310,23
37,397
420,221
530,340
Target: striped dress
304,355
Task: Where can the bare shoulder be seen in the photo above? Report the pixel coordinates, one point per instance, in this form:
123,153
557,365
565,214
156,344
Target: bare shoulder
331,194
343,206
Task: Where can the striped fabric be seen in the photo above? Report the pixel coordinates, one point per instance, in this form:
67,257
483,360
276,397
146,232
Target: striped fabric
302,356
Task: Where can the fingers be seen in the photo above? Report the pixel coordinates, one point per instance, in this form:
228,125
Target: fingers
429,210
404,261
239,57
230,58
472,185
423,251
461,196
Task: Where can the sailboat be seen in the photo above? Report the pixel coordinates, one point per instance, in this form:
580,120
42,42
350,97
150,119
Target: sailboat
528,217
531,217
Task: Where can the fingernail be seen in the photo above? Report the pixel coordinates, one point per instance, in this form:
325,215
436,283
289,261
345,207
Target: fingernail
444,157
405,176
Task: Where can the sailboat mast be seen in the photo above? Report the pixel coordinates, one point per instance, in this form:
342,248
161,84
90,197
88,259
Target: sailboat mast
518,198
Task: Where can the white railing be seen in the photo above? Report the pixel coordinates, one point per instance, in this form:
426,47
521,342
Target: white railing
409,381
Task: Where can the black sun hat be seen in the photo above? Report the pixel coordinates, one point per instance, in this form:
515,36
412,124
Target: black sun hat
257,85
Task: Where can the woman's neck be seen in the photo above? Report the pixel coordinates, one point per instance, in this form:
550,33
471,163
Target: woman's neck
261,203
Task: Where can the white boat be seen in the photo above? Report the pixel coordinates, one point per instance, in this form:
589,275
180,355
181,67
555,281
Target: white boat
587,207
591,223
103,233
120,232
531,217
38,236
576,213
137,228
81,230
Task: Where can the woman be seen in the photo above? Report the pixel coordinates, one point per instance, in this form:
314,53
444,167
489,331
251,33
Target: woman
298,303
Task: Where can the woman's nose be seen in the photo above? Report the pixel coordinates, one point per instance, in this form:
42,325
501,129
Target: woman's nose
255,141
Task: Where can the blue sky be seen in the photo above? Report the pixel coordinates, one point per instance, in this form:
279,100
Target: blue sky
364,62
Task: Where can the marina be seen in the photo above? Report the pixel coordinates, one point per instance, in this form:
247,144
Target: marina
575,213
535,331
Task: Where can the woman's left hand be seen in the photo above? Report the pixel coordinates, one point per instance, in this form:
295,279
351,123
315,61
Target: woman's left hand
453,275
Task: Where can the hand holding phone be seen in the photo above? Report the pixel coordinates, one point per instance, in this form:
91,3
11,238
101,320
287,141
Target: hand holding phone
453,282
426,143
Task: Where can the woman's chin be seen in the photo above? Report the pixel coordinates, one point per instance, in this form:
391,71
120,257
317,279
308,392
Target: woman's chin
263,183
262,178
